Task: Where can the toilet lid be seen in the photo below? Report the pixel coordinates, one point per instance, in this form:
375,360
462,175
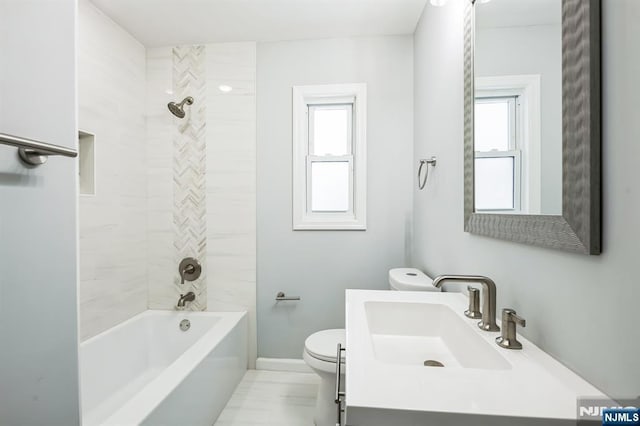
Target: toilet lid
323,345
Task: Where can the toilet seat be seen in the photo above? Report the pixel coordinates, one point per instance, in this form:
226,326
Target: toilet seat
323,344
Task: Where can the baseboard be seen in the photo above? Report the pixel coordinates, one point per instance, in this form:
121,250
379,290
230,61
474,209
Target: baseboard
283,364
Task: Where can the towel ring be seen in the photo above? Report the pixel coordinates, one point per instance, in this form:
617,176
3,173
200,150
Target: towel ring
423,181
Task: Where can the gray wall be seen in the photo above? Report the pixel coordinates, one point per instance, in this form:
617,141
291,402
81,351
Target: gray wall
38,231
582,310
320,265
532,50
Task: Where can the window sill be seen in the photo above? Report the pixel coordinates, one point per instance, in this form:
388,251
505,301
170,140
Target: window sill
352,225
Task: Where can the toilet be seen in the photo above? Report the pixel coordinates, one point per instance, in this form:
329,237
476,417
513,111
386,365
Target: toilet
320,349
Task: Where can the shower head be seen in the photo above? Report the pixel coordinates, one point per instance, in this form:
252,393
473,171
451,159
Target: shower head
178,109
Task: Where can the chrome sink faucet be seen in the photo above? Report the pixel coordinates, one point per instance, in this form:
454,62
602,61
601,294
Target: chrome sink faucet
184,298
488,322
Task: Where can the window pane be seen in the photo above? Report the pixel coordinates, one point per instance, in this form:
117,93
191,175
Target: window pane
330,186
494,183
492,126
331,135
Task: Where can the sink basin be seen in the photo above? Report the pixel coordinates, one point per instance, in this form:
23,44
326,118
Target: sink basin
395,339
427,333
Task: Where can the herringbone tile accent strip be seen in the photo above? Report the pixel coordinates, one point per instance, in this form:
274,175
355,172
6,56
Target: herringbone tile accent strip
189,170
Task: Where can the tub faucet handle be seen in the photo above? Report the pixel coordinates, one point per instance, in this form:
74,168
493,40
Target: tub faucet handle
189,269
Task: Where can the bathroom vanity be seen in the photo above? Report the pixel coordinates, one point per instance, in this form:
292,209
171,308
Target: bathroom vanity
414,358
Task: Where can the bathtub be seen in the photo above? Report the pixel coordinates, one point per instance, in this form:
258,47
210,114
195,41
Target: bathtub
148,371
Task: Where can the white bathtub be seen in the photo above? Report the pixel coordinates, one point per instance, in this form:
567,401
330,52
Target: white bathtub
148,371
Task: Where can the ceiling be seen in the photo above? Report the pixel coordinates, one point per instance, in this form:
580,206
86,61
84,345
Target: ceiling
518,13
170,22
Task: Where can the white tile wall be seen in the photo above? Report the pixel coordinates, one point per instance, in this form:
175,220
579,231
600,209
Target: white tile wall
113,223
127,244
230,180
160,128
189,170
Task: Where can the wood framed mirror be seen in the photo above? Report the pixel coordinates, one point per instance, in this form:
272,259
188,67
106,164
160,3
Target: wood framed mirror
519,186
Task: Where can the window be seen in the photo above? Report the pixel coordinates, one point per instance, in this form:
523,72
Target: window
507,144
498,154
329,157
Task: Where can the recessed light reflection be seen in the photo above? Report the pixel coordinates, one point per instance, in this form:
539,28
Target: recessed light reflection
225,88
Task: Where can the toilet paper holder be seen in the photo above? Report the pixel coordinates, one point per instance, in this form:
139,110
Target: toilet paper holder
281,296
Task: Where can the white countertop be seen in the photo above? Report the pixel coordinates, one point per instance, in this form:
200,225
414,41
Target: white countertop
532,384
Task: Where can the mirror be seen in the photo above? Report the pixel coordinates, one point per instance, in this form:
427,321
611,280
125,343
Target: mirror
532,122
518,107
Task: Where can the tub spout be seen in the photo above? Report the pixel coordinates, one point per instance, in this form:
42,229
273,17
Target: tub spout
184,298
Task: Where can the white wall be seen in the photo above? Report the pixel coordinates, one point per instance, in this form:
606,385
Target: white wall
113,223
38,231
320,265
582,310
532,50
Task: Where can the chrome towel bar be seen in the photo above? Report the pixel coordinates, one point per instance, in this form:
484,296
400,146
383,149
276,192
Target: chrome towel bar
35,153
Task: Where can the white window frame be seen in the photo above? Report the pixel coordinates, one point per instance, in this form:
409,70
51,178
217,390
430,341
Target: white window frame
305,97
515,142
527,146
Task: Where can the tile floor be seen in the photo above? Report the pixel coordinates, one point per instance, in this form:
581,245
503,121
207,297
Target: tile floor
272,398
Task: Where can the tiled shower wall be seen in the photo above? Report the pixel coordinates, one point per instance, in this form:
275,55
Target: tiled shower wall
113,225
211,160
189,169
177,173
166,188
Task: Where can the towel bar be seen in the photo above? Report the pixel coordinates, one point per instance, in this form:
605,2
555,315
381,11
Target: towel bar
35,153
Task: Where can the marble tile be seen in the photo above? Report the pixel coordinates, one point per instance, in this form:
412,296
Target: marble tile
272,398
231,181
111,93
129,248
189,170
230,173
160,131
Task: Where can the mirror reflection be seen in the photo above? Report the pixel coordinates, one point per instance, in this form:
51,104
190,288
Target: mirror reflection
518,107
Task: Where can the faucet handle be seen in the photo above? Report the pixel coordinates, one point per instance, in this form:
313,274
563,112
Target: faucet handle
508,338
516,318
189,269
474,303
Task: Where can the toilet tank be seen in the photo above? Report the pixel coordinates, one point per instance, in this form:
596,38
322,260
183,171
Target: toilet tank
410,279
